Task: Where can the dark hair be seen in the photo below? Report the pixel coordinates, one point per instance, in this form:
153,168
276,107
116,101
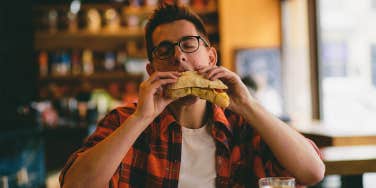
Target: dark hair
167,13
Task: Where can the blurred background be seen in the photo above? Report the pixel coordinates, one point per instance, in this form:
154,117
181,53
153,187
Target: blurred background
66,63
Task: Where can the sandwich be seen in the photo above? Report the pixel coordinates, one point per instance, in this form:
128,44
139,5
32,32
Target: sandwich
191,83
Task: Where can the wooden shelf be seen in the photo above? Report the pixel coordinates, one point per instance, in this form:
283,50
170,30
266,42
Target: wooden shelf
102,40
143,10
119,34
84,6
105,76
149,10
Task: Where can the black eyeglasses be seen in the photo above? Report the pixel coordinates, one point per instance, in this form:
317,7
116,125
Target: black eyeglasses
187,44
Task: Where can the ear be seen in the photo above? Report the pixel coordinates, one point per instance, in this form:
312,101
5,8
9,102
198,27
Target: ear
150,68
213,58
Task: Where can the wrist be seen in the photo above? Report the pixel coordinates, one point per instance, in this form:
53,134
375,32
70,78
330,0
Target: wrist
136,116
249,108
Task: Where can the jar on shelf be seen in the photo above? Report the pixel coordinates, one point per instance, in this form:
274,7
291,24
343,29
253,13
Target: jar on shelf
112,20
87,62
93,20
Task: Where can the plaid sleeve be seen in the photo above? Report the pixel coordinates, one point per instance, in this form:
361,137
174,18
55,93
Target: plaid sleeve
105,127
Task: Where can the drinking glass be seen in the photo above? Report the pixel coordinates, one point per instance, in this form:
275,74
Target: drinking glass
277,182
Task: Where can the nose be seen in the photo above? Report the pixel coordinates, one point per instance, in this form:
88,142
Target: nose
180,60
179,54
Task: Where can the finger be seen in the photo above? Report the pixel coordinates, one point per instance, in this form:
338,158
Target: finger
164,78
219,75
161,75
213,72
160,83
151,88
203,70
159,91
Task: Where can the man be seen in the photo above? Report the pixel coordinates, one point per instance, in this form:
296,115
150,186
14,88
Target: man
189,142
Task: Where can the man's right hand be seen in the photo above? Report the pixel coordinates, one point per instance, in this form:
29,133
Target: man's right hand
151,98
108,153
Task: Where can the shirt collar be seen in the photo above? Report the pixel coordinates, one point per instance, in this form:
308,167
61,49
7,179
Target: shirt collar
218,117
221,130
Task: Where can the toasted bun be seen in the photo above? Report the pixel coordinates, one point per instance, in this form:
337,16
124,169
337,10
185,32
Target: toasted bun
191,83
193,79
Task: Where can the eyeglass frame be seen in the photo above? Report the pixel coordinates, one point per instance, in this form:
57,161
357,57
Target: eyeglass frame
173,44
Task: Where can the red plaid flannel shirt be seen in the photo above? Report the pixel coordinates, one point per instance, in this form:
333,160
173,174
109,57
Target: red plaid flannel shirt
241,156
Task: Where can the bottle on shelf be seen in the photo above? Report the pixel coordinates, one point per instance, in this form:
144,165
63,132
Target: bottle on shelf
151,3
55,63
135,3
72,22
121,59
109,61
184,2
130,92
43,64
112,20
93,20
52,20
76,62
65,64
87,62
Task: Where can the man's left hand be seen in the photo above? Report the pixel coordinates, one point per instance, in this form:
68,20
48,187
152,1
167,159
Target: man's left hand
237,91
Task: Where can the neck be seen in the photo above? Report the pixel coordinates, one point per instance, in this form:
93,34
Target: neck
191,116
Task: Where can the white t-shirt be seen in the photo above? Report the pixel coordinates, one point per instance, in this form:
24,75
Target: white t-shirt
197,167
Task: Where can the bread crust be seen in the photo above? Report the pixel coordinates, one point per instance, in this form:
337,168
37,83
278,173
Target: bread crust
191,83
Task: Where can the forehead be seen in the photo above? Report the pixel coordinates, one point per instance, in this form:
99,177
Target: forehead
173,31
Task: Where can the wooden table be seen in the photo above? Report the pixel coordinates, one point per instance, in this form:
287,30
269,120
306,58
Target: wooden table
349,160
349,153
325,136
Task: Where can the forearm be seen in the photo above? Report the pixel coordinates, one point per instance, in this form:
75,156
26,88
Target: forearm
290,148
96,166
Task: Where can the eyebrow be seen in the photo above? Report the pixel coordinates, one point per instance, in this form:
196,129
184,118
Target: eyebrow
165,41
169,41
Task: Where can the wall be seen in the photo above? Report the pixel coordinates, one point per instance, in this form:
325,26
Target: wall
18,74
247,23
296,63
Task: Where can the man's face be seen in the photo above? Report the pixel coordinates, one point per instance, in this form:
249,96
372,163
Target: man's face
181,61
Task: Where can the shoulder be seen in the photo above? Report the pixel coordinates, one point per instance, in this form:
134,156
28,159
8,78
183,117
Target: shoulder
125,110
116,116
